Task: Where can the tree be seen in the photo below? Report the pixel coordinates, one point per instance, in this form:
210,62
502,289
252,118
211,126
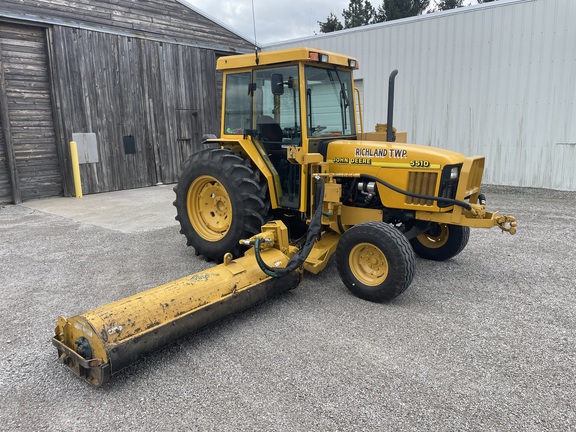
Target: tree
332,24
396,9
359,13
443,5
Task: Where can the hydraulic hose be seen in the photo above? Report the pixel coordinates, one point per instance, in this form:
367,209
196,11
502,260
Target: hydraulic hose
414,195
311,235
339,222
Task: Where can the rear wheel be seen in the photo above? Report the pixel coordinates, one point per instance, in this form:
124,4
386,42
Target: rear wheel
375,261
220,200
441,242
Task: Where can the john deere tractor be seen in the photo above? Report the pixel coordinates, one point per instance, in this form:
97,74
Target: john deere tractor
289,123
292,179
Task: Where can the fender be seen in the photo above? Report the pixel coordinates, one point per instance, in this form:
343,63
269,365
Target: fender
253,150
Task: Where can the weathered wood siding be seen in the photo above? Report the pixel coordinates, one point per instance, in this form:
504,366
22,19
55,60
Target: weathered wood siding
165,20
5,183
163,95
27,115
130,71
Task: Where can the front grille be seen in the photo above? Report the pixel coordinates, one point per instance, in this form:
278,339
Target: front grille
422,183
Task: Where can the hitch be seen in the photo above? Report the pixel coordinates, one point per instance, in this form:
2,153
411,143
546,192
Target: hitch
507,224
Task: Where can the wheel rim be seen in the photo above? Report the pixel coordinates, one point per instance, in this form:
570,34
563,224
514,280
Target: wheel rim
209,208
435,239
368,264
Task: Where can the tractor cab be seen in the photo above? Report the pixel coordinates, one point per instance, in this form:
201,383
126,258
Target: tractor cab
306,99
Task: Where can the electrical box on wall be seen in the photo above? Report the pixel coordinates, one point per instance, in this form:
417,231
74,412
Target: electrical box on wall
129,144
87,147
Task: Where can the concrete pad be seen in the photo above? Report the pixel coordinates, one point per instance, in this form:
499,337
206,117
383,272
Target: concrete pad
126,211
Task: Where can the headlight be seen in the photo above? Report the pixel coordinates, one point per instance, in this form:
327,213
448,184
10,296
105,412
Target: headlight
449,183
454,173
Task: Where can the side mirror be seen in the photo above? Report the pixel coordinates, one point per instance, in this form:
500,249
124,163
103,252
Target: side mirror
277,82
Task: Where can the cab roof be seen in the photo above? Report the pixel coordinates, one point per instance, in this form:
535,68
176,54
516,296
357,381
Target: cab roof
301,54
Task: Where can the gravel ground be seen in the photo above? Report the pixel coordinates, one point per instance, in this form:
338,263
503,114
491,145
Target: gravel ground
482,342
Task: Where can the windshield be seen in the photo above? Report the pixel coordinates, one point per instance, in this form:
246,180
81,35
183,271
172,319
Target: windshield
329,102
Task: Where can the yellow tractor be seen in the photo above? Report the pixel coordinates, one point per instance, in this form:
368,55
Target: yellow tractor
292,180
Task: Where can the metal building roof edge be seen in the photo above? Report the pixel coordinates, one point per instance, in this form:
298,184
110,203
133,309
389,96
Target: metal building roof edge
403,21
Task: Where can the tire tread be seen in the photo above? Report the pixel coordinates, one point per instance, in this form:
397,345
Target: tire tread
250,191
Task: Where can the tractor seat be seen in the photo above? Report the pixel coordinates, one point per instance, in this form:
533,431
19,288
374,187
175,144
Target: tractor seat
268,129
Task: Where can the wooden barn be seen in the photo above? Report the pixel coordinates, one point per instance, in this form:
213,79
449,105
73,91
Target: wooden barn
133,81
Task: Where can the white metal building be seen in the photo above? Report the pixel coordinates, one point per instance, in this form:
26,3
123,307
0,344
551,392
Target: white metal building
497,79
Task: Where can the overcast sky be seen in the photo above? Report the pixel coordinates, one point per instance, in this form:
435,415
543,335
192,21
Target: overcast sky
276,20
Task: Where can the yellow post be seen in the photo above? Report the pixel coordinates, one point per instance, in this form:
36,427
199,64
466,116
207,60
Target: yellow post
76,169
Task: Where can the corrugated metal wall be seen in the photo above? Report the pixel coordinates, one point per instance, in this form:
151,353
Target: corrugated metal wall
497,79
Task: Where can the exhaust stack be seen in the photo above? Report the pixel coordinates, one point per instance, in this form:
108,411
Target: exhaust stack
390,135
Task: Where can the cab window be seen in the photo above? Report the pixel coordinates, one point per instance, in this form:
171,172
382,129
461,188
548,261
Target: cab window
237,104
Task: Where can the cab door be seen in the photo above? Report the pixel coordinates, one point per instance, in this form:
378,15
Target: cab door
276,117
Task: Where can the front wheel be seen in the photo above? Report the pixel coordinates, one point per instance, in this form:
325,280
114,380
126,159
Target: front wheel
441,242
375,261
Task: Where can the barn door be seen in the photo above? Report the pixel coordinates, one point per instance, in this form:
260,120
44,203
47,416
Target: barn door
28,154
